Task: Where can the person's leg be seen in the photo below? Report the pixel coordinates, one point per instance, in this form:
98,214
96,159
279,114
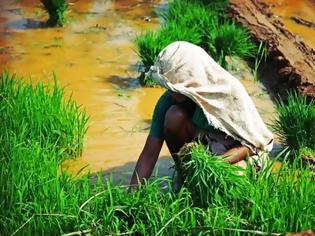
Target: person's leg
178,129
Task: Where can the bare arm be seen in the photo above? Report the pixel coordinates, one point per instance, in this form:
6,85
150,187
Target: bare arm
237,154
147,160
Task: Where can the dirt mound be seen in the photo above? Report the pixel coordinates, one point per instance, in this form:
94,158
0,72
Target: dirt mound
293,59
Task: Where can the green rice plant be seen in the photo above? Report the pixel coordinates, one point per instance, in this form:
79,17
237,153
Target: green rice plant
210,179
38,199
295,122
184,21
261,57
215,5
150,44
56,10
146,211
281,201
38,130
148,47
177,9
40,113
200,24
189,14
228,39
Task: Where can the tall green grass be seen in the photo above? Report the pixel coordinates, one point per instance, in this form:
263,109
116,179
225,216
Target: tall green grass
151,43
200,22
248,203
228,39
39,129
295,122
56,10
210,179
40,113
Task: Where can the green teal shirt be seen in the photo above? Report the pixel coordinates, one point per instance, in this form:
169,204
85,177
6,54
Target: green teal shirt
163,104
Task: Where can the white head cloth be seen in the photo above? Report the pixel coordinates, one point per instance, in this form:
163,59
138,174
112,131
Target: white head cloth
187,69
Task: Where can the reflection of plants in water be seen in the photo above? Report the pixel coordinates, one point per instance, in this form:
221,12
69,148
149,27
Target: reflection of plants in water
56,10
120,92
56,43
295,123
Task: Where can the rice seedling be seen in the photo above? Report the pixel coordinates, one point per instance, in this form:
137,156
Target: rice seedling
217,5
282,201
189,14
261,57
150,44
295,121
210,179
200,24
37,199
41,114
177,9
56,10
38,129
228,39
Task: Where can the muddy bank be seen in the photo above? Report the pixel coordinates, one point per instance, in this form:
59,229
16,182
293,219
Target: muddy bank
291,60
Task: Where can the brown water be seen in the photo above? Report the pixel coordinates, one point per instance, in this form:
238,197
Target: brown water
305,9
94,57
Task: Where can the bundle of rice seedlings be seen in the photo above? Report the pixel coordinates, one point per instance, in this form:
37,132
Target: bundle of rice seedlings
56,10
150,44
295,122
210,179
228,39
189,14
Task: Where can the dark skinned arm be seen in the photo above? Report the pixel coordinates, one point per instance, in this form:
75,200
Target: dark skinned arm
237,154
147,160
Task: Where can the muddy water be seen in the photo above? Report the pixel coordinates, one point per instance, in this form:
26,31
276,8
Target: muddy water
304,9
94,57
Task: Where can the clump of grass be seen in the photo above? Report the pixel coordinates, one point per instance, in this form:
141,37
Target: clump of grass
189,14
210,179
261,57
228,39
56,10
280,201
41,114
199,23
151,43
38,130
37,199
295,121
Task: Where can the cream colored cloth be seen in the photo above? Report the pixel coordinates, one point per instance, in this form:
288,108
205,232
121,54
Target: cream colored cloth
187,69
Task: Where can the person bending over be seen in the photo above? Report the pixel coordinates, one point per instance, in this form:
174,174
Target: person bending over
202,101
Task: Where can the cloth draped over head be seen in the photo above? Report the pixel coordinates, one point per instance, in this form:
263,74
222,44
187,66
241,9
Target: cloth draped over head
187,69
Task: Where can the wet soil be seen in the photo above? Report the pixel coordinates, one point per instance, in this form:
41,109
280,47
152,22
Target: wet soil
289,55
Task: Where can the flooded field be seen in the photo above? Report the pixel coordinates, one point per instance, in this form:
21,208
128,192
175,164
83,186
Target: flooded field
286,10
94,56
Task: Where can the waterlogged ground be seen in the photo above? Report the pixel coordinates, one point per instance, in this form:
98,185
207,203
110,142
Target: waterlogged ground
94,57
303,9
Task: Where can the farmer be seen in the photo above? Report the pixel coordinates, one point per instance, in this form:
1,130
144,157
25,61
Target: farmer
202,101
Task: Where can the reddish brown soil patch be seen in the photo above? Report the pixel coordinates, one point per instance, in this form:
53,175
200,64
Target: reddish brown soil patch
292,58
